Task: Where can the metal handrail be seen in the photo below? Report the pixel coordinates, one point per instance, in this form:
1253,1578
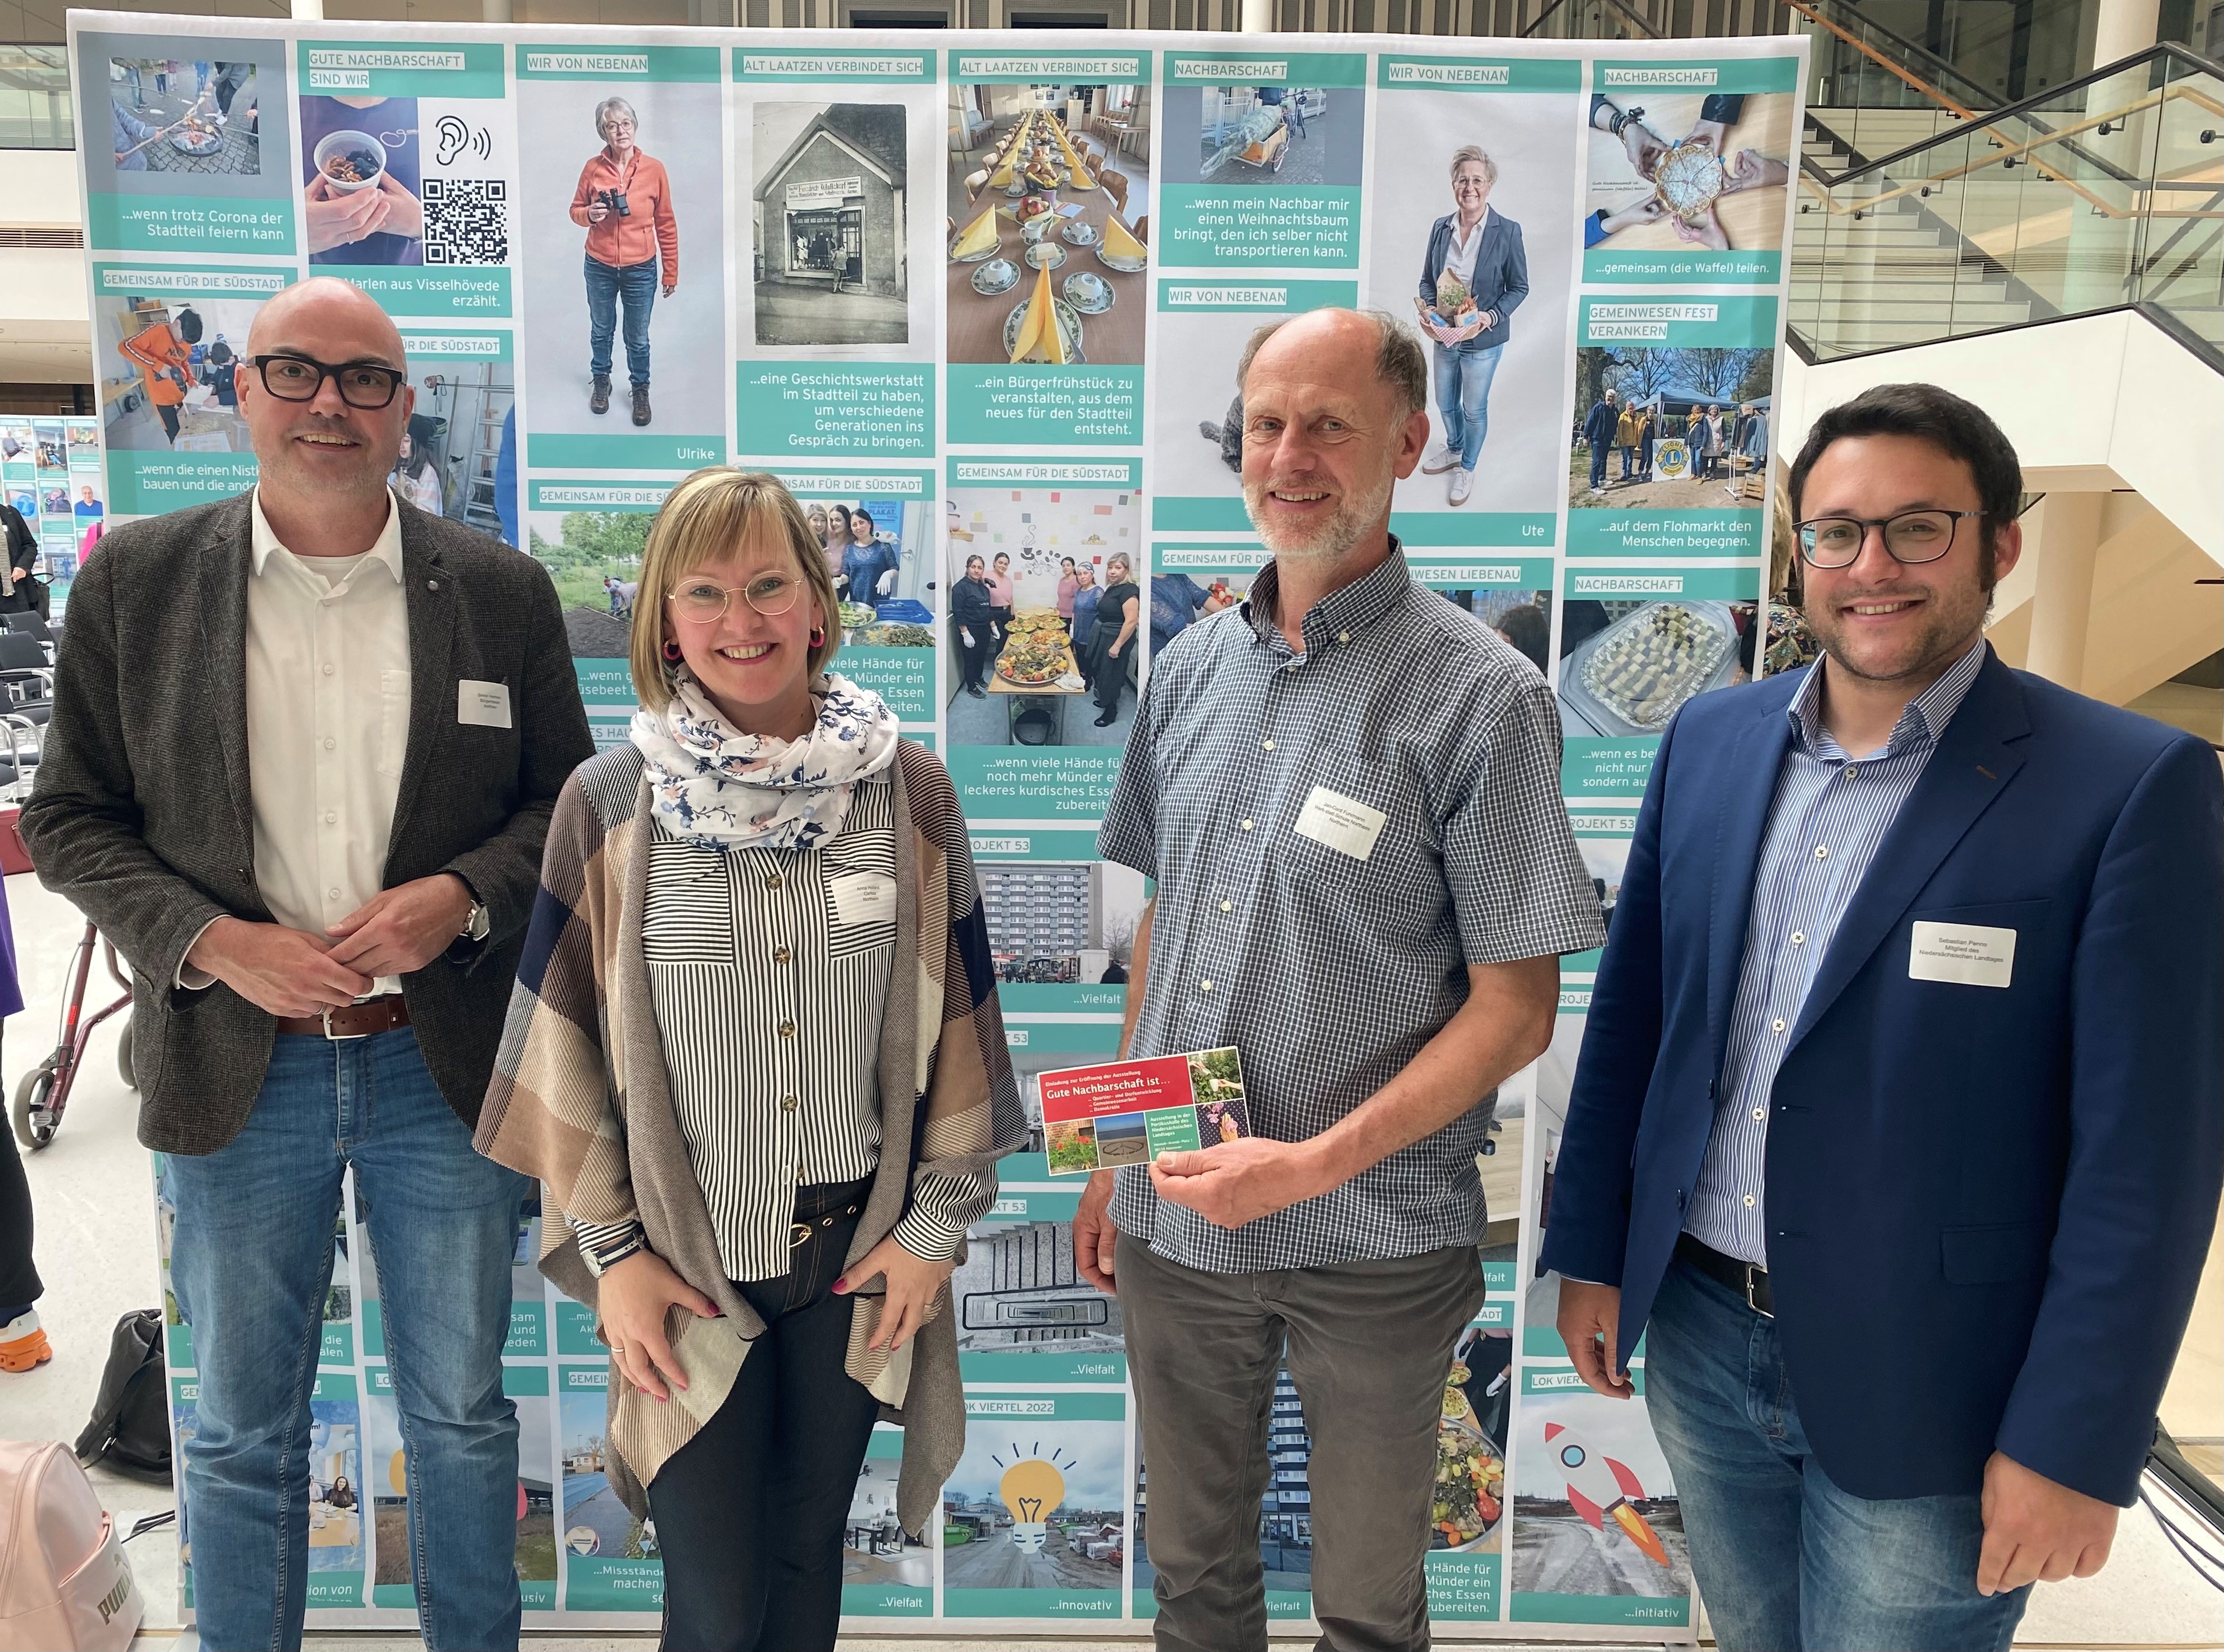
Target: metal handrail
2022,109
1651,33
1912,50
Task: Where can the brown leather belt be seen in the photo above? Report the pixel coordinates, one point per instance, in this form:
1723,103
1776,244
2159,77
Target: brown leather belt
356,1021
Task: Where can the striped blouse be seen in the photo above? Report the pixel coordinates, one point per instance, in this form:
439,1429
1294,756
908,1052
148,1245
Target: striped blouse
768,969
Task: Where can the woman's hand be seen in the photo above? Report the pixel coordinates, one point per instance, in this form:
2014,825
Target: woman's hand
913,1282
337,220
597,212
631,1300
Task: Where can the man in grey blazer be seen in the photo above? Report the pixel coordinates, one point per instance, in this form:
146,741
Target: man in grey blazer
304,749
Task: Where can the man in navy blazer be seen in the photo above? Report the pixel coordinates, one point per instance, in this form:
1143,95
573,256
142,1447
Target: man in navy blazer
1896,1129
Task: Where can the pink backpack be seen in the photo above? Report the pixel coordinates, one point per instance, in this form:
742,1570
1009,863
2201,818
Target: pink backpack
64,1584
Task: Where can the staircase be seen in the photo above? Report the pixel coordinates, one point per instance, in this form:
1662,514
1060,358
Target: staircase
1876,278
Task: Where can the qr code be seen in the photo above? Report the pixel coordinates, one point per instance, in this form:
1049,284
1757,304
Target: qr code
466,221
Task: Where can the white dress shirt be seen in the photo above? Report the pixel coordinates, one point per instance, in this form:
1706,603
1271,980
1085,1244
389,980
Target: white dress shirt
327,724
1459,256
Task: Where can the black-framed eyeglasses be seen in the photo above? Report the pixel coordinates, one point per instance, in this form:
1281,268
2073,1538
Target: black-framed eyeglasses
701,601
297,378
1912,536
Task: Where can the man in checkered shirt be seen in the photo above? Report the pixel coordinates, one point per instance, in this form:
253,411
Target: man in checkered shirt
1348,790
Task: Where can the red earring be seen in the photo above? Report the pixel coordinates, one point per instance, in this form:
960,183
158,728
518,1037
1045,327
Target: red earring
818,636
672,653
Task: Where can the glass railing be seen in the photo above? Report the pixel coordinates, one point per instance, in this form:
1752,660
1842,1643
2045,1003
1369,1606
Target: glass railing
2103,192
34,98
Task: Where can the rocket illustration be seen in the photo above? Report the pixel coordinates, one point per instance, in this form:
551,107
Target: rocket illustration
1601,1488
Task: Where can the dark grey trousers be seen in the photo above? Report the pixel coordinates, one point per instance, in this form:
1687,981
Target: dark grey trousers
1369,1347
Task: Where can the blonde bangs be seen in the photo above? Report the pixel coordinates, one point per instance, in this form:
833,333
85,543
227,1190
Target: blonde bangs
710,515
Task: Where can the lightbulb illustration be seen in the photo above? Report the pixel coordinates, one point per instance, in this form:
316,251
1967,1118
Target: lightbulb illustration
1031,1489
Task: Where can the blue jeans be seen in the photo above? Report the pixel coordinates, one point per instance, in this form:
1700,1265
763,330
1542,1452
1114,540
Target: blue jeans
251,1263
1463,377
1784,1559
636,285
1598,466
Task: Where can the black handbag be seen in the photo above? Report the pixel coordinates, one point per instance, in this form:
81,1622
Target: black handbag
130,1427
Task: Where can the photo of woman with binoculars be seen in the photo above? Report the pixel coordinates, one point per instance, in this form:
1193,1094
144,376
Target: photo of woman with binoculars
624,201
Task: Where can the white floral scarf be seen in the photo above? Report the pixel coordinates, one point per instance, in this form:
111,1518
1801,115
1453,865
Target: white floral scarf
718,788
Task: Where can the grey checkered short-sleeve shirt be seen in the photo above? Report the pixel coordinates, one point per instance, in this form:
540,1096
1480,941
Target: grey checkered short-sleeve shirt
1330,970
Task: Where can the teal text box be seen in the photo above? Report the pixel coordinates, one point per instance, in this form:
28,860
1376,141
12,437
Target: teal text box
528,1331
1124,474
1631,266
400,68
1463,1588
180,1353
1500,573
1497,1277
336,1347
1269,298
1268,67
1048,1364
887,1600
1680,534
676,452
1033,406
575,1329
854,484
172,223
1205,226
993,1411
637,63
1239,563
1547,1381
147,484
902,676
1171,1130
1046,842
438,350
870,410
1661,76
1063,1037
1674,322
1030,1603
1030,998
615,498
1053,68
1591,767
763,63
1463,528
1482,75
1179,513
1531,1608
1281,1602
1733,584
329,1590
448,291
1039,783
599,1583
189,281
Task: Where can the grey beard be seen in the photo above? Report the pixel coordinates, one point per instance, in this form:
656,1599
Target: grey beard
1334,539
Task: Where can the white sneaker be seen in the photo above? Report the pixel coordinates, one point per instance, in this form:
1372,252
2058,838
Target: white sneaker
1441,459
1463,485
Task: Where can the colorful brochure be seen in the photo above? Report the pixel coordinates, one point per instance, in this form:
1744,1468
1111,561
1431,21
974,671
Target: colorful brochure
1129,1111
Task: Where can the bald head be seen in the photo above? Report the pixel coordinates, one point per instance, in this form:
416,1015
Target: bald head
328,320
323,463
1357,345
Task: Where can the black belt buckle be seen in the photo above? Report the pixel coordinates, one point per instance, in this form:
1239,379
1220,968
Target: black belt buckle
1758,1295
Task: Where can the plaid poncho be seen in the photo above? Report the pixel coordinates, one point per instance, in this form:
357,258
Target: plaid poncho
581,1099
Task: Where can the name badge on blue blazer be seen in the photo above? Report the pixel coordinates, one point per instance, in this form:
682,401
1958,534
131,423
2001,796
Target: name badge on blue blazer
1968,955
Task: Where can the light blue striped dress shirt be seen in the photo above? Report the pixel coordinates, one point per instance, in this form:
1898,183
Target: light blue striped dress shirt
1829,814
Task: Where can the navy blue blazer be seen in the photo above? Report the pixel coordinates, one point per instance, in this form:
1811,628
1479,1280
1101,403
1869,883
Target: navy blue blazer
1501,273
1988,1206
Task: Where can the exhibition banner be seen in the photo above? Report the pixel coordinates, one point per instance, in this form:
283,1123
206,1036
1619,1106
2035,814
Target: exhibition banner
617,255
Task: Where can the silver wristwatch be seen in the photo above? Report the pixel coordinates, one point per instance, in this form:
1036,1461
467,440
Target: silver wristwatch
478,924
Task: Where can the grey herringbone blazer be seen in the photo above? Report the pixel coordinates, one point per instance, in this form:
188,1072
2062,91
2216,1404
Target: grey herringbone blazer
142,816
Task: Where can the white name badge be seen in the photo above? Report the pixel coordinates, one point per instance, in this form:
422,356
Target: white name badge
484,705
864,896
1344,825
1969,954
